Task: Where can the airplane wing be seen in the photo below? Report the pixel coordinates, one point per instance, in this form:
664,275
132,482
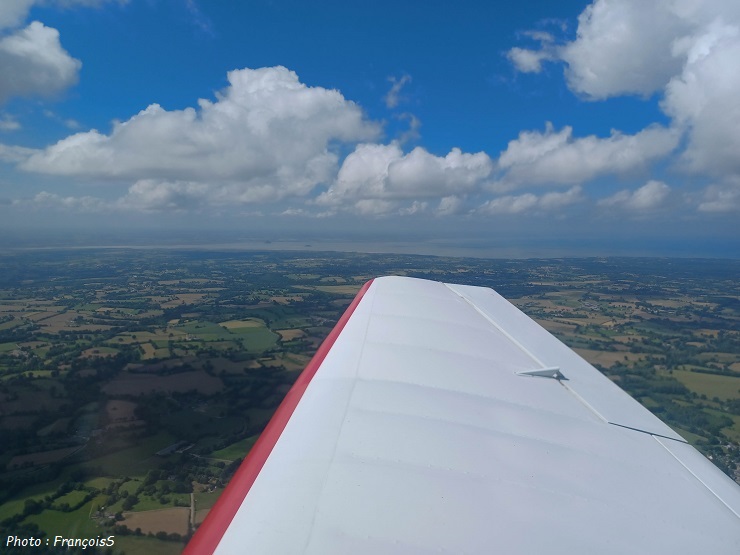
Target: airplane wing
439,418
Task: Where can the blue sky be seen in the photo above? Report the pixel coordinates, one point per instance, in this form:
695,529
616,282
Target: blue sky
564,123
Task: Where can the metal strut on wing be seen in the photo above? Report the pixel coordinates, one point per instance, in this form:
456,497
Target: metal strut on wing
553,373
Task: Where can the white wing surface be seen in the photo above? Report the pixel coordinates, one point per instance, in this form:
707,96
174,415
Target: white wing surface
439,418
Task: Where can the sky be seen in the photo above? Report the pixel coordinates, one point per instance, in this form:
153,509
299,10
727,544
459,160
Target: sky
610,126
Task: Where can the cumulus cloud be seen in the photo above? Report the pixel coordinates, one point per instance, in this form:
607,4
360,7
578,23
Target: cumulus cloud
704,99
53,201
15,154
721,198
266,136
393,97
517,204
416,207
685,50
510,204
14,12
160,196
384,172
375,207
624,47
555,157
450,205
554,200
33,62
627,46
529,61
648,197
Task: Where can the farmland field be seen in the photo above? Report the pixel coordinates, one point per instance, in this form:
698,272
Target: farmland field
132,383
711,385
161,520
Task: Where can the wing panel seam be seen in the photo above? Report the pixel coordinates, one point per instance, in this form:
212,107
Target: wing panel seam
696,476
526,351
497,326
646,432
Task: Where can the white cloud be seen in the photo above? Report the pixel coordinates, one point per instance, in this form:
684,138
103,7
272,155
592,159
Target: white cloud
15,154
627,46
685,49
393,97
688,48
555,157
624,47
648,197
375,171
84,204
33,62
8,123
416,207
510,204
14,12
450,205
412,133
517,204
267,136
554,200
199,19
374,207
69,123
704,100
529,61
543,37
154,195
722,198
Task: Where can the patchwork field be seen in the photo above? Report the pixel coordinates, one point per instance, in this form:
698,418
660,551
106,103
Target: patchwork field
41,458
161,520
164,367
724,388
142,384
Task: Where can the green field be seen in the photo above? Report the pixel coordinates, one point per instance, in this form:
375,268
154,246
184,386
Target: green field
98,483
134,461
73,524
206,499
732,432
191,425
10,508
148,503
143,545
235,450
711,385
11,324
207,331
256,340
206,370
72,498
